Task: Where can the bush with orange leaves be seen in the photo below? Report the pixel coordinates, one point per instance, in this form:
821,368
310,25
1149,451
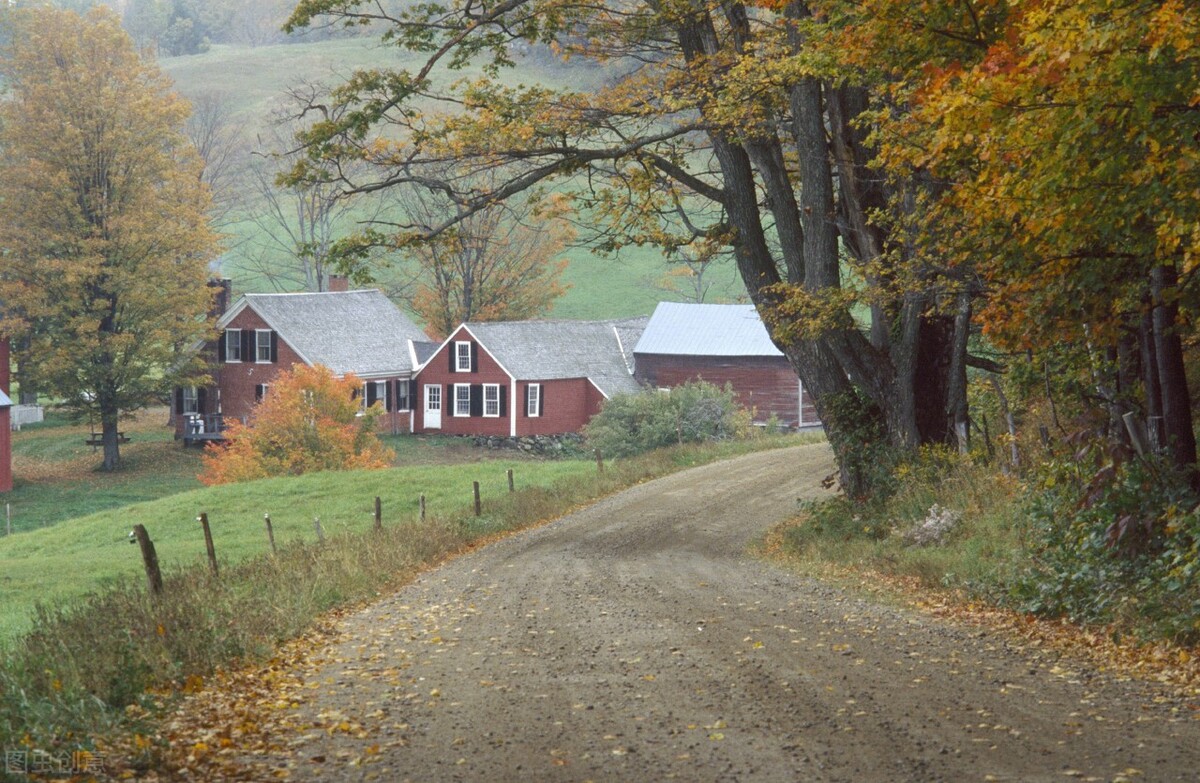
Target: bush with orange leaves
309,421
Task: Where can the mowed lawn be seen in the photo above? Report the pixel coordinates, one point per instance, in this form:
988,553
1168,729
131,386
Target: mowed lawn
81,554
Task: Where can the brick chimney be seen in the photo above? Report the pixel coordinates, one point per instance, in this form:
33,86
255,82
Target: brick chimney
338,283
223,294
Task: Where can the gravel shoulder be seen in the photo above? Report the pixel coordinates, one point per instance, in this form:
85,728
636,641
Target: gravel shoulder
636,640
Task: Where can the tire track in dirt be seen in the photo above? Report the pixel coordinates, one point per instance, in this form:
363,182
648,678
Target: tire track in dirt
635,640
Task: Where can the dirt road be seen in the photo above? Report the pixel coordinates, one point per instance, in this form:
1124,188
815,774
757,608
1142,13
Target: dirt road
636,641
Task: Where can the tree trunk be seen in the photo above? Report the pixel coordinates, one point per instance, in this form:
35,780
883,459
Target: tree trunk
1150,379
110,436
1127,382
956,391
1172,374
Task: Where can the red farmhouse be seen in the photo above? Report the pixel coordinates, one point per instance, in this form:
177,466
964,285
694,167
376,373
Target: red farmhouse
723,344
522,378
359,332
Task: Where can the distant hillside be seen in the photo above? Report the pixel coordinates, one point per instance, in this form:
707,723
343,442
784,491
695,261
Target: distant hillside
252,83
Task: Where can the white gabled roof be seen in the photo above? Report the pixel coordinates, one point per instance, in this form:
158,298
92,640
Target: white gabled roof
360,332
680,329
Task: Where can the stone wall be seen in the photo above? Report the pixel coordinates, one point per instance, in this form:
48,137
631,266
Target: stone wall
568,444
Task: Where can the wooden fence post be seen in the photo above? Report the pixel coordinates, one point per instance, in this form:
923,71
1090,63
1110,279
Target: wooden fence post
208,543
422,508
478,507
320,532
270,534
378,513
149,559
510,480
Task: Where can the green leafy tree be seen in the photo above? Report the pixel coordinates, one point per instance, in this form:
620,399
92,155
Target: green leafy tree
105,244
694,412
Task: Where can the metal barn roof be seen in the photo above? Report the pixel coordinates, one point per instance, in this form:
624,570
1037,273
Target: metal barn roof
681,329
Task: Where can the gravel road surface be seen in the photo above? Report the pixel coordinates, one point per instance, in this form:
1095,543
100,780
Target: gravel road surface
637,641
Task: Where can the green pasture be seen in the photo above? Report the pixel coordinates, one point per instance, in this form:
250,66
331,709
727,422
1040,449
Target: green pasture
83,554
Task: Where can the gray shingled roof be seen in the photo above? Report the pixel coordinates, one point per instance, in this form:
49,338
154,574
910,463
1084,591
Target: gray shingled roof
547,350
706,330
360,332
425,350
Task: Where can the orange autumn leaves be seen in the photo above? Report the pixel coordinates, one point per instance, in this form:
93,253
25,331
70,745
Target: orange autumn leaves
309,421
1064,148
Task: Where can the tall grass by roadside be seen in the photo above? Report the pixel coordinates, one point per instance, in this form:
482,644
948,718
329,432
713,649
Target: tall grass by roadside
1097,541
950,523
69,679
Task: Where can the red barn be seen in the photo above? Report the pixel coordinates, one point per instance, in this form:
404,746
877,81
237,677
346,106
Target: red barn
359,332
723,344
522,378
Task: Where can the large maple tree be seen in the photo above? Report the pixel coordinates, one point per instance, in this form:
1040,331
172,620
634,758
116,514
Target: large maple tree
105,244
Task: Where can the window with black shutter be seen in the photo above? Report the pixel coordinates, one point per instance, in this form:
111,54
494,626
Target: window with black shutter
264,346
491,400
464,357
403,394
230,346
462,398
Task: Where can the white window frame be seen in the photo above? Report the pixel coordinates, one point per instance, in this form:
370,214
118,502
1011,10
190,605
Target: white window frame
259,347
233,346
535,401
491,405
407,387
191,401
462,400
461,348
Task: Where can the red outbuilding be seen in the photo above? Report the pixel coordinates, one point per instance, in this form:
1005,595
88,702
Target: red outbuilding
723,344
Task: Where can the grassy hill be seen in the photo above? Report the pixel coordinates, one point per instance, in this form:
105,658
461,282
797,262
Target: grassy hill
254,82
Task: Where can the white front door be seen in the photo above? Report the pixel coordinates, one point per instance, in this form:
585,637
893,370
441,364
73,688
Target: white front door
433,406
